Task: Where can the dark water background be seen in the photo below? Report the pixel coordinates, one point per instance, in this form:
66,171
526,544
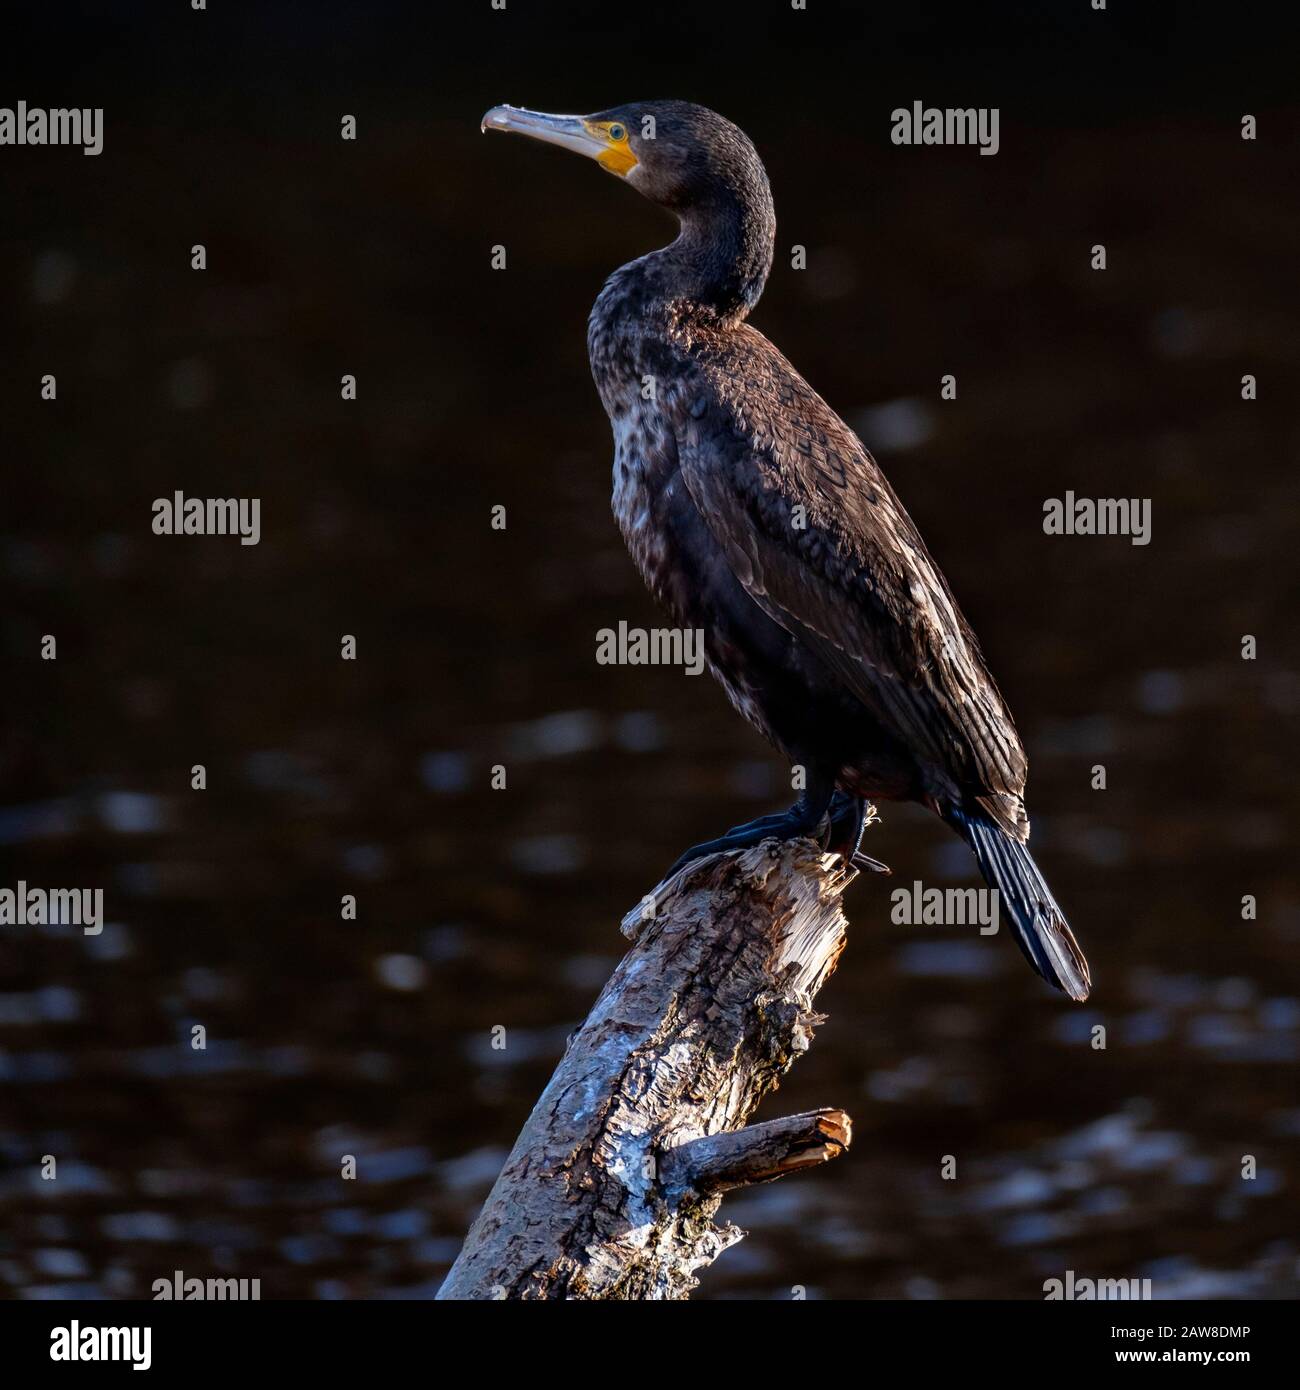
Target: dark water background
481,908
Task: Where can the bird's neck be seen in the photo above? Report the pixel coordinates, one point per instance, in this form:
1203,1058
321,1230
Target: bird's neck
723,254
720,261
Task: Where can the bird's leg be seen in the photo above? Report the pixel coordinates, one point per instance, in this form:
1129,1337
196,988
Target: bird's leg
803,818
849,817
762,823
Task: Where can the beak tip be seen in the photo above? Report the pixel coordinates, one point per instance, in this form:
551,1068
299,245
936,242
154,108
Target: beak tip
495,119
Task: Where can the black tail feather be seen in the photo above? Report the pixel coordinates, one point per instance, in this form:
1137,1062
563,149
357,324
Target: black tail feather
1037,921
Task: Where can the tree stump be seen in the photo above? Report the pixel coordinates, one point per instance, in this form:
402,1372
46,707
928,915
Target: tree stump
612,1186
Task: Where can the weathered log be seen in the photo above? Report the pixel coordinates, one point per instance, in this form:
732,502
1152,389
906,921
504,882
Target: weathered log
612,1186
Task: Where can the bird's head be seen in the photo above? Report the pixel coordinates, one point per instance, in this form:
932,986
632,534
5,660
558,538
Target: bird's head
675,153
696,164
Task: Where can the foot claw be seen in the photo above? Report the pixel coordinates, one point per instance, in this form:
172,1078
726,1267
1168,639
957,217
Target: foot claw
802,818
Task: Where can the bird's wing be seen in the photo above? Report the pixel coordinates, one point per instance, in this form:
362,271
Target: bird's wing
849,574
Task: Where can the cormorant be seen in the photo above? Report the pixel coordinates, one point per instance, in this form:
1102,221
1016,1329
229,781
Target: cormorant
754,513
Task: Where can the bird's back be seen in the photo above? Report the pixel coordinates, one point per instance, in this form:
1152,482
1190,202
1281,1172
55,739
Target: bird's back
814,531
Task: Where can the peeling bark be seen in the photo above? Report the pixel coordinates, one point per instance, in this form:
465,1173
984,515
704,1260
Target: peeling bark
612,1186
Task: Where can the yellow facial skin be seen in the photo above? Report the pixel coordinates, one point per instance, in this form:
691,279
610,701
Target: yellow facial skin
617,157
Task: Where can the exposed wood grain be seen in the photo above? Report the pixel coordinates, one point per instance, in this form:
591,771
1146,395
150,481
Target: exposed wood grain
758,1153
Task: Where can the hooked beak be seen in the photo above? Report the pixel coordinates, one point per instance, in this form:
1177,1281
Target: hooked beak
574,133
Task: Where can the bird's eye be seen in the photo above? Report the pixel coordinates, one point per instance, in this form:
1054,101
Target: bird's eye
618,132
